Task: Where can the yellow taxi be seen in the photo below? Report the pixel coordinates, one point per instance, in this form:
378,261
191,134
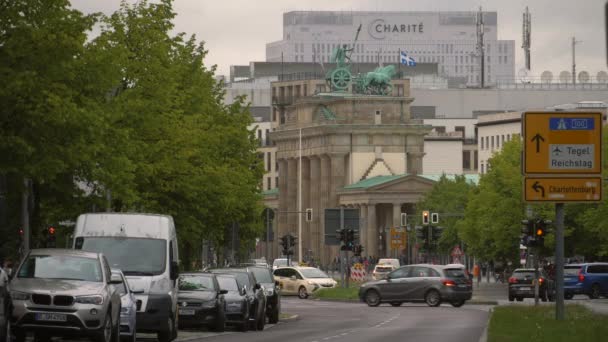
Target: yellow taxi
302,281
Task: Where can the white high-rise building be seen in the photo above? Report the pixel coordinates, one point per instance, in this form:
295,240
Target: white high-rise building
446,38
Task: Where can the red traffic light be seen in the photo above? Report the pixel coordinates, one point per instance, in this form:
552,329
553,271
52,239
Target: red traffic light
52,230
21,231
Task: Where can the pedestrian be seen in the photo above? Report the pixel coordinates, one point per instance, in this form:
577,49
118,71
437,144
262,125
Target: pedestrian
477,274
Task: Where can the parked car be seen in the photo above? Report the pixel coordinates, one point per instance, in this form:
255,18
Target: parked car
145,248
389,261
236,301
271,289
62,292
4,306
255,294
590,279
432,284
302,281
128,308
521,285
201,301
282,262
380,271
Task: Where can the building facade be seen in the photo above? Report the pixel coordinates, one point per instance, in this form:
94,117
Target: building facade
446,38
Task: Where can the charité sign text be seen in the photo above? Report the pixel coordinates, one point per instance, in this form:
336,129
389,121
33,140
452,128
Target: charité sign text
379,28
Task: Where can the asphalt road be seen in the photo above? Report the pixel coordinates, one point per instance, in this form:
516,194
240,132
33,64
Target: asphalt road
335,322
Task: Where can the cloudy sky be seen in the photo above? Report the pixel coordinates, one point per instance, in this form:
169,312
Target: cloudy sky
236,31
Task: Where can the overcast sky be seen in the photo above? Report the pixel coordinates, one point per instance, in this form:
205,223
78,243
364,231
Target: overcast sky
236,31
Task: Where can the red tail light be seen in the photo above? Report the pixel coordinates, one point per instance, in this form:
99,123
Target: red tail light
541,280
512,280
448,282
581,277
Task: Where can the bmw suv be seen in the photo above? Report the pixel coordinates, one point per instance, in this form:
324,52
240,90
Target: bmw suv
62,292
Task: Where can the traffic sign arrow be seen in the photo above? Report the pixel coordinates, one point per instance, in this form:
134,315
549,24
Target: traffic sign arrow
538,139
537,186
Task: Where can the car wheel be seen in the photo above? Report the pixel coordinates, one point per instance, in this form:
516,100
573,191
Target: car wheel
220,322
19,335
511,298
432,298
116,334
132,337
568,295
302,293
457,303
372,298
273,318
42,338
5,333
520,299
106,333
167,335
595,291
261,322
544,295
396,303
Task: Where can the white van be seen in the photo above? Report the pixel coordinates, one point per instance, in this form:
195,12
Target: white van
144,247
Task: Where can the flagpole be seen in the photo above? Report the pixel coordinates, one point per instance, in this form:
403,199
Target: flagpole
399,65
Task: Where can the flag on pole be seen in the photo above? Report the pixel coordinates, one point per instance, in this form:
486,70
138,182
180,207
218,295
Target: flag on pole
406,60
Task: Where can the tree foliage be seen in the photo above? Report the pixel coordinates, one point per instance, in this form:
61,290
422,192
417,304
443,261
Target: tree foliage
133,114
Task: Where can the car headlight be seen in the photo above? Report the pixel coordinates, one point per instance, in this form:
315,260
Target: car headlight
310,282
125,310
209,304
16,295
97,300
269,292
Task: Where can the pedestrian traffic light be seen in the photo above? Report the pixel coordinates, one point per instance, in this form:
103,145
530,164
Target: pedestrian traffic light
425,217
526,227
309,215
434,218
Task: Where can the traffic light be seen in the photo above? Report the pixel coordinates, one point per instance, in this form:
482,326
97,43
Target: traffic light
309,215
425,217
403,219
51,236
434,218
540,230
420,232
436,231
285,244
358,249
292,240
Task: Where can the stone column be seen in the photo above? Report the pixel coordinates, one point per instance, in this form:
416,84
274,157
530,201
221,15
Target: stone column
282,216
324,203
396,223
372,230
337,177
315,204
414,162
363,228
306,236
292,196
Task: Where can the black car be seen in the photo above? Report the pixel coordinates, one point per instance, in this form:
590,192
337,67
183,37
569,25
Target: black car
432,284
254,293
236,301
201,301
521,285
271,289
4,306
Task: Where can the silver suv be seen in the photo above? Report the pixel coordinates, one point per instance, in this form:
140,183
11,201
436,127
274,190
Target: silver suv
62,292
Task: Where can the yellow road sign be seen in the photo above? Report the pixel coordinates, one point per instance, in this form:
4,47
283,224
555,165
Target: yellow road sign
563,189
562,143
398,238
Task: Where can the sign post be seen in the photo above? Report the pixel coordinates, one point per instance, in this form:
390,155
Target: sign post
562,163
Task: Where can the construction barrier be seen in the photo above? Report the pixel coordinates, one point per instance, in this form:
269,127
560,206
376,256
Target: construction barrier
358,273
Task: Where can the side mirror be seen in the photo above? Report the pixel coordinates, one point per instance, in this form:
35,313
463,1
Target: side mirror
174,271
276,283
244,290
115,279
292,277
223,292
257,286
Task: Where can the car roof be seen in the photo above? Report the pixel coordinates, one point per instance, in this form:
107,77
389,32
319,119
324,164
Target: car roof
205,274
63,251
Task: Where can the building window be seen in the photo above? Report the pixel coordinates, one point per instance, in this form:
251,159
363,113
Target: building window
460,129
482,146
260,136
492,142
487,143
269,164
508,137
466,160
267,138
482,168
502,139
269,183
475,159
440,129
276,182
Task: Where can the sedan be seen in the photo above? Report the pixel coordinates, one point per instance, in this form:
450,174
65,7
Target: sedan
201,301
236,301
128,309
432,284
521,285
62,292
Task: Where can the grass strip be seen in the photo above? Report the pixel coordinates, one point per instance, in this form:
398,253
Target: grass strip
538,323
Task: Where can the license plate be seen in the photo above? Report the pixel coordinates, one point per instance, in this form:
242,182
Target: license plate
186,312
525,288
462,285
51,317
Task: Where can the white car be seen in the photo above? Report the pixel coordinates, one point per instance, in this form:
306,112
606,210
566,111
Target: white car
380,271
282,262
302,281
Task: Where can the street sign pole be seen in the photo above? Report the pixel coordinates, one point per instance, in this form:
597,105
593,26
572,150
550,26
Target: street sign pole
342,258
559,261
268,235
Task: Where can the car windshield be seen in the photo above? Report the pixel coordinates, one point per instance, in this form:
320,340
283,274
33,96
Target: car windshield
523,274
262,275
134,256
242,279
454,273
383,268
196,283
61,267
571,270
313,273
228,283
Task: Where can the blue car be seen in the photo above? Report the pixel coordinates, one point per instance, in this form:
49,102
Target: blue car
589,279
128,308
